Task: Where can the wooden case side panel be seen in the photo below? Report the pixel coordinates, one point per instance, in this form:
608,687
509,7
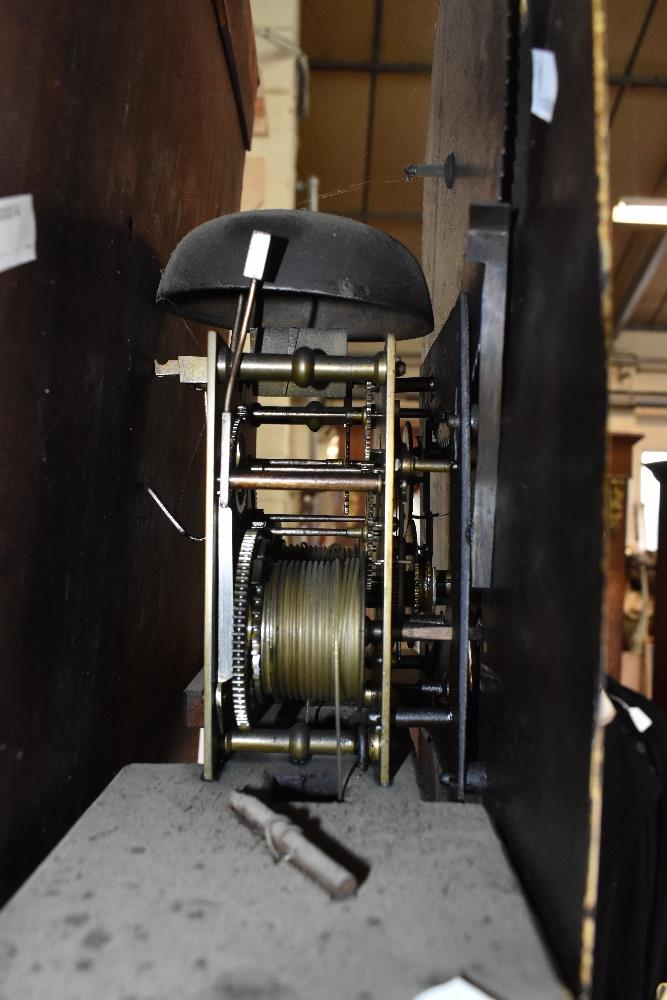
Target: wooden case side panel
541,657
124,130
541,662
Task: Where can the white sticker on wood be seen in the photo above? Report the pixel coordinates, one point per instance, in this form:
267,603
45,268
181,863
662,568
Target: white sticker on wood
545,84
18,231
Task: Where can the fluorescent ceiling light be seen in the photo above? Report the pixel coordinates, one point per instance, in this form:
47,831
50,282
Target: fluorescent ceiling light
641,211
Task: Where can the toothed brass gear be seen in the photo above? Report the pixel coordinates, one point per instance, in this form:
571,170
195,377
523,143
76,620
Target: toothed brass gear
245,630
368,423
372,526
423,588
282,639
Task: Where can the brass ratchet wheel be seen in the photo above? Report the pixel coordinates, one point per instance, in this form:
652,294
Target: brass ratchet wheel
293,607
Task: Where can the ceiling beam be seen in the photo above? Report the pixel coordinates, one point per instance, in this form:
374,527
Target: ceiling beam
370,125
651,329
388,216
628,80
649,272
346,66
630,65
634,400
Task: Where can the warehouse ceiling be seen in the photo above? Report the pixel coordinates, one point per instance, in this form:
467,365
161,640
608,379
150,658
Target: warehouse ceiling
369,96
638,130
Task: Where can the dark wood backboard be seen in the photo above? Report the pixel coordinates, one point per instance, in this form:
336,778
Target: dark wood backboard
121,120
541,654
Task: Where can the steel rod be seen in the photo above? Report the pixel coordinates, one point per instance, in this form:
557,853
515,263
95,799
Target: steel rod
297,741
433,465
320,415
412,466
355,482
307,368
415,628
238,340
324,518
423,717
422,688
316,532
334,465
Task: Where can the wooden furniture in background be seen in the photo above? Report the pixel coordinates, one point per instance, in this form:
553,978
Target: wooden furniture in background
620,470
659,470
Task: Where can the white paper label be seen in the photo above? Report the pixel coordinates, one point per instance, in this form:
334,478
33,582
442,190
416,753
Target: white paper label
258,251
641,720
545,83
18,232
454,989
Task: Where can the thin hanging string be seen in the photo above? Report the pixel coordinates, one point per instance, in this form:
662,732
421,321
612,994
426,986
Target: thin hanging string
355,187
181,494
339,764
184,321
